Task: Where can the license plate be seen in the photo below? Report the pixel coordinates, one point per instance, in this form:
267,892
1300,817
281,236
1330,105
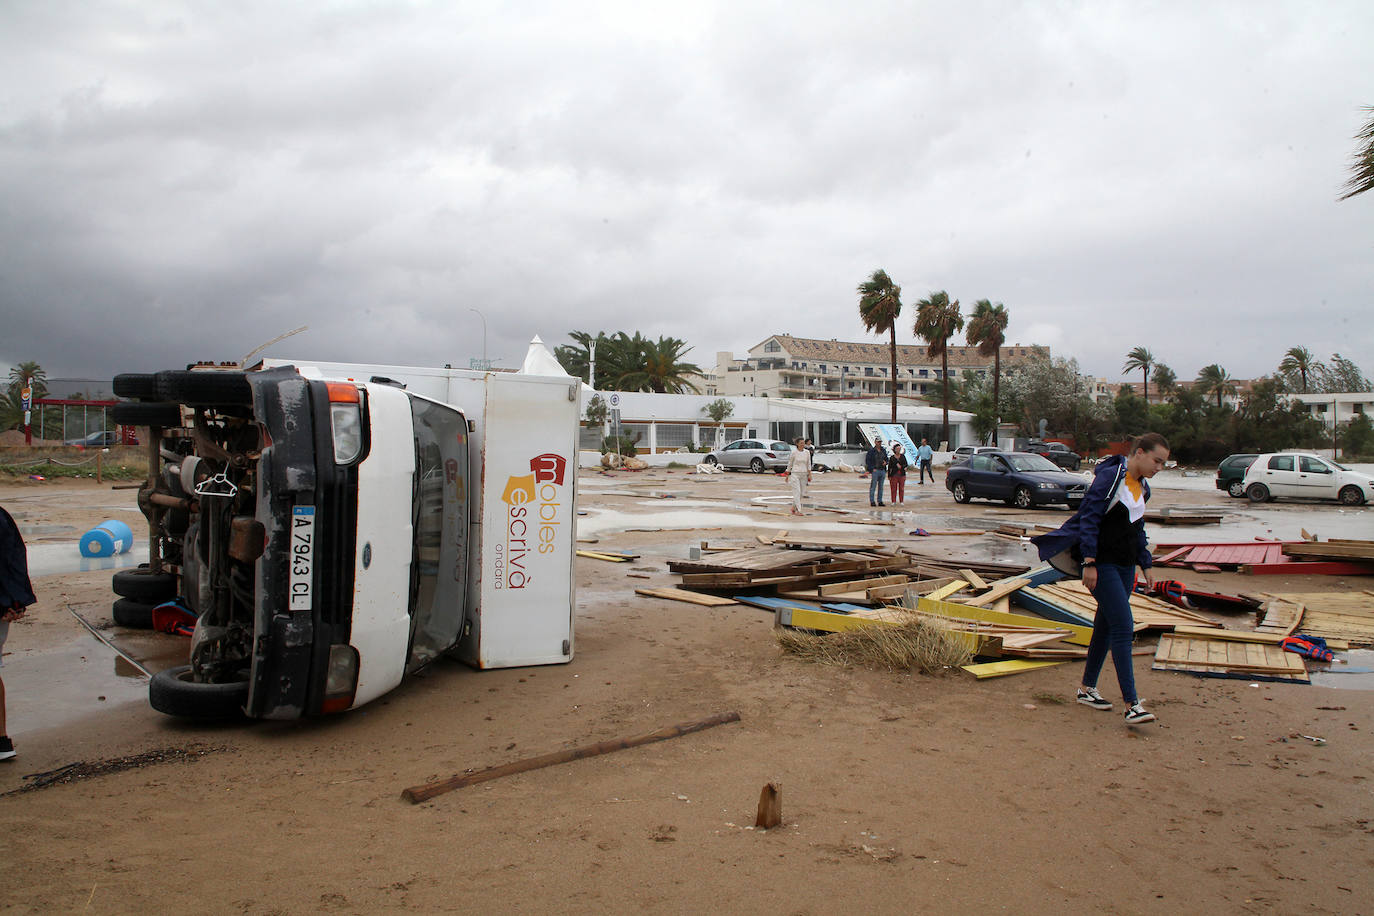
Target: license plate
302,556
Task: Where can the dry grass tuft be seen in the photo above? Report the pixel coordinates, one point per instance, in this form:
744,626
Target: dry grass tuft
912,646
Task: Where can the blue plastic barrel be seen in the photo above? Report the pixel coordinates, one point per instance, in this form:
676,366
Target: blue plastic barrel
107,539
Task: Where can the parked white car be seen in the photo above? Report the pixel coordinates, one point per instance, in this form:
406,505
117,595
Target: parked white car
1289,474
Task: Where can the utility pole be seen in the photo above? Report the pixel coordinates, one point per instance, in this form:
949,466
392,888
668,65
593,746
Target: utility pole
591,363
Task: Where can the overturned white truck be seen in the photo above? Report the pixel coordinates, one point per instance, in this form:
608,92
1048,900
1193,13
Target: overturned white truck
334,527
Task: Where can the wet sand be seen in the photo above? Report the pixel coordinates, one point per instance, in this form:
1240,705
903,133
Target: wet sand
900,793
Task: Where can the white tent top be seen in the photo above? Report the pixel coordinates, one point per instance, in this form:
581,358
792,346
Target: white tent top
539,360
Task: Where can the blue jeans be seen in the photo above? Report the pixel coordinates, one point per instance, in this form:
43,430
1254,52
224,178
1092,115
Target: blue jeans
1113,628
875,487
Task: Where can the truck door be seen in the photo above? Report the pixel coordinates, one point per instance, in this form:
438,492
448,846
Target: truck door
439,569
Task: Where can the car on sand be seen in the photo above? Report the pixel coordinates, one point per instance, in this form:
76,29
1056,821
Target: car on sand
1293,475
1017,478
1231,473
757,455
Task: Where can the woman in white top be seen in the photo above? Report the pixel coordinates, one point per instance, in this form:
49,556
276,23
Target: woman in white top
798,472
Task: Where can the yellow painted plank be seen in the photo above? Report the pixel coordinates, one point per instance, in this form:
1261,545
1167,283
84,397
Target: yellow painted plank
1081,635
1008,666
945,591
610,558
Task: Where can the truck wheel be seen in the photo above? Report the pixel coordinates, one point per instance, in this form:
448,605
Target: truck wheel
1258,493
210,388
960,492
173,692
756,465
1351,496
1236,488
136,615
141,386
1022,498
146,413
145,585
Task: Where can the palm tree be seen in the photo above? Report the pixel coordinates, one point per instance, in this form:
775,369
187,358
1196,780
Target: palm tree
937,320
1164,379
1362,166
880,302
1216,380
1140,358
33,374
1301,361
660,365
987,331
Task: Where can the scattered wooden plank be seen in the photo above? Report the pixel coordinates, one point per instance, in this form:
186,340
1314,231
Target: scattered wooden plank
1221,657
1007,666
1080,635
609,558
945,591
973,578
679,594
998,589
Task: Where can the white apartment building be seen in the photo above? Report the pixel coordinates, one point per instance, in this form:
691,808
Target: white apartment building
783,366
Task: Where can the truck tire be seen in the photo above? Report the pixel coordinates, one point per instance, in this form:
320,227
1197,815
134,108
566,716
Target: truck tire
173,692
146,413
136,615
145,585
141,386
211,388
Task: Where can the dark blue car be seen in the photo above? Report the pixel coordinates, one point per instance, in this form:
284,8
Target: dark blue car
1017,478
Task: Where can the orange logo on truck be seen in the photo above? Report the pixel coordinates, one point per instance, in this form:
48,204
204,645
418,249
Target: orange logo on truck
534,512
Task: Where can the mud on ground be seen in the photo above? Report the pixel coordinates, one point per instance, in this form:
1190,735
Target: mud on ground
899,793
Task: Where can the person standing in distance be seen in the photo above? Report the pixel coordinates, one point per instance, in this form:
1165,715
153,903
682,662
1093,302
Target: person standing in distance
1104,542
896,474
875,462
16,594
798,472
925,457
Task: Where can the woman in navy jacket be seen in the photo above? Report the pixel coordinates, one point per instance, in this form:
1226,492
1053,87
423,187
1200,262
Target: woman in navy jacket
1104,542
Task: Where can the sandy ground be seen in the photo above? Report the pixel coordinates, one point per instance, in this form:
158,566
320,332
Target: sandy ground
900,793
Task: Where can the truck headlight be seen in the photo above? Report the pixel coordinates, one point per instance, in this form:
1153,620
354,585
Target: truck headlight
340,679
345,421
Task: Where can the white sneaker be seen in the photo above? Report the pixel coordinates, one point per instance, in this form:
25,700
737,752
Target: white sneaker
1137,715
1089,696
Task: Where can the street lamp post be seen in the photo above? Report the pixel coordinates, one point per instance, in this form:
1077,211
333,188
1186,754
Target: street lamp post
485,363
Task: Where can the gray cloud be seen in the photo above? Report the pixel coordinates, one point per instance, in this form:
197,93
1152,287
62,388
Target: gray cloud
183,180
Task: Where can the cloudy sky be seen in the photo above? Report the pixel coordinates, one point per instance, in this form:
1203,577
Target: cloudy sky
183,181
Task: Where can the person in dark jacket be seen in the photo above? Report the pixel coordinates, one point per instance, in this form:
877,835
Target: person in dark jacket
16,594
1104,542
875,462
896,474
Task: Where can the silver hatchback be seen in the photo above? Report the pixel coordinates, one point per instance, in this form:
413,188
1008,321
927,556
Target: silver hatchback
758,455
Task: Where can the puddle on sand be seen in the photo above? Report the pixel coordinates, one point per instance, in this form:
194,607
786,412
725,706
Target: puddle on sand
59,685
1356,674
65,557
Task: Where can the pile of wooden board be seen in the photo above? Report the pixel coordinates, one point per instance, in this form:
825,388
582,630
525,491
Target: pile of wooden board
1333,558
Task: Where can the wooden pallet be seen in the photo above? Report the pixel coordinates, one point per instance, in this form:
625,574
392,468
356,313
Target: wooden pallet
1228,658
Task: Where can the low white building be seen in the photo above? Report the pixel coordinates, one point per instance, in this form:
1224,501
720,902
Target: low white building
671,422
1344,407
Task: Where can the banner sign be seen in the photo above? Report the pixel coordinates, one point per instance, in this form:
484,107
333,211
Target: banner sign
890,433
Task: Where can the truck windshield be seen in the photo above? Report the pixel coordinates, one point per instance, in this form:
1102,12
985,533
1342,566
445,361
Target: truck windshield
439,581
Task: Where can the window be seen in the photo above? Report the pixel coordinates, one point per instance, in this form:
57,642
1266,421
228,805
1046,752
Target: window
925,373
980,463
674,435
1357,409
772,347
1281,463
1313,466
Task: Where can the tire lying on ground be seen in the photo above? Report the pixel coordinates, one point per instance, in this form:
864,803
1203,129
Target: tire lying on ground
209,388
137,615
141,386
145,585
173,692
146,413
